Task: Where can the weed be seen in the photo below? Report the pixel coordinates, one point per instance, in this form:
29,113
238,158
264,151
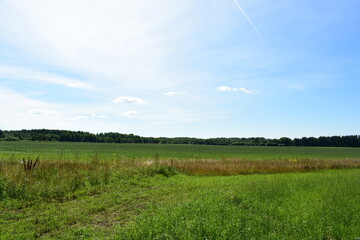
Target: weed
29,164
2,188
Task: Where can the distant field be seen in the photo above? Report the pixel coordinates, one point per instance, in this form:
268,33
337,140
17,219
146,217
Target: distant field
109,151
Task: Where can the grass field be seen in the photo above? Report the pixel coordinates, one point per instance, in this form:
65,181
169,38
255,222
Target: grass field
106,151
111,191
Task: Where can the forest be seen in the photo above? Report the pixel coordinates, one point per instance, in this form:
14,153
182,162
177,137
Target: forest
113,137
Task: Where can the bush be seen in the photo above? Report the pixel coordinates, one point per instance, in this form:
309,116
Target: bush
167,171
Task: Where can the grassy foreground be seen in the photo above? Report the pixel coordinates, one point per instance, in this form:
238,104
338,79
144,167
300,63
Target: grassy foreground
287,206
155,198
72,200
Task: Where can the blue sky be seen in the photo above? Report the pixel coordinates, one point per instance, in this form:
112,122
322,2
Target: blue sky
181,68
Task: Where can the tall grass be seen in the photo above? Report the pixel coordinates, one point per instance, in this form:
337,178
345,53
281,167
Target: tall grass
214,167
51,180
65,179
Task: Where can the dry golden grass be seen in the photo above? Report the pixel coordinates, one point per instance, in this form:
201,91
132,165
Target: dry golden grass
211,167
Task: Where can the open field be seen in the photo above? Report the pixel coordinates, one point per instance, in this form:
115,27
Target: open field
110,191
108,151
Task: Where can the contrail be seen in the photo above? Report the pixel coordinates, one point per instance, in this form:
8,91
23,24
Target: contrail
249,20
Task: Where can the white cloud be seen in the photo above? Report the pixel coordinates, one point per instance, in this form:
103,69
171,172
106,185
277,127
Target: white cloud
94,115
226,89
230,89
129,114
12,72
121,42
76,85
244,90
81,118
22,112
133,100
15,102
43,112
170,94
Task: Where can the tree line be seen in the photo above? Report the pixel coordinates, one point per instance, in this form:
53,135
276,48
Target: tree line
113,137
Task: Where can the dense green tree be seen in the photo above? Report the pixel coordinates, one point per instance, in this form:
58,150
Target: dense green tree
297,142
285,141
112,137
324,141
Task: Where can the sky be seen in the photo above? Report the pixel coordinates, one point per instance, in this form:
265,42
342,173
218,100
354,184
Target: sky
215,68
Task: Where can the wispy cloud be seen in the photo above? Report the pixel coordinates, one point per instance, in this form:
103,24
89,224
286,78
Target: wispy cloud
79,118
25,74
129,114
76,85
121,42
133,100
94,115
226,89
170,94
43,112
244,90
231,89
23,112
249,20
132,53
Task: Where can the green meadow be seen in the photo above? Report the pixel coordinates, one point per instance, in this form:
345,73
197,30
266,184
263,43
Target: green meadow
109,151
128,191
